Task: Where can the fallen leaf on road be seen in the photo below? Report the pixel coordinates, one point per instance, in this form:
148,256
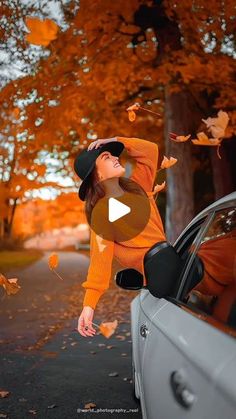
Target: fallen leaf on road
89,405
113,374
4,393
120,337
52,406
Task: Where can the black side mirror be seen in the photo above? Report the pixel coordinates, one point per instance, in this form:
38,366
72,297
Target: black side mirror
129,279
162,266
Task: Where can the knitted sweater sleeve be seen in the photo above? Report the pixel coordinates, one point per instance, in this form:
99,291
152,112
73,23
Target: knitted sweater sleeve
145,153
99,272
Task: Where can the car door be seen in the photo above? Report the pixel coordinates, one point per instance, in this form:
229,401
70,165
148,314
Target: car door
185,368
143,307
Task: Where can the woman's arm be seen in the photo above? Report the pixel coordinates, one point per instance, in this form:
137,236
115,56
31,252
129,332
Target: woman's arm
145,153
99,273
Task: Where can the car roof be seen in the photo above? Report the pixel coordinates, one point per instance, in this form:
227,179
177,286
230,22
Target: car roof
224,202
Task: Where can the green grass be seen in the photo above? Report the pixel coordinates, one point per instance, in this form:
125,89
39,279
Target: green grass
18,258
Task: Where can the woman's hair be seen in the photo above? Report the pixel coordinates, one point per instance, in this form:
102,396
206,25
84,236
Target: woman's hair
96,191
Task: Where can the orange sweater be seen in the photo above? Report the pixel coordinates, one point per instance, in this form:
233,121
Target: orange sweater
130,253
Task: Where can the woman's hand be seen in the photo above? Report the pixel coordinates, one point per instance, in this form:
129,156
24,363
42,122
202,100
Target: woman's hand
99,142
85,319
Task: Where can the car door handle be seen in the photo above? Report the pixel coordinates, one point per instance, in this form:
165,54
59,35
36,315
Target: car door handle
183,394
143,330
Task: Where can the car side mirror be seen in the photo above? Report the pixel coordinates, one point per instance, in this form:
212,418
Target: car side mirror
129,279
162,267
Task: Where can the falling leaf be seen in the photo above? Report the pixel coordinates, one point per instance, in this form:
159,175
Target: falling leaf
218,125
131,116
179,138
53,261
42,32
10,285
204,140
158,188
166,163
108,328
134,107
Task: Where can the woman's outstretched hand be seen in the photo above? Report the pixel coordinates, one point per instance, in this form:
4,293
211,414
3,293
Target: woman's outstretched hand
85,319
99,142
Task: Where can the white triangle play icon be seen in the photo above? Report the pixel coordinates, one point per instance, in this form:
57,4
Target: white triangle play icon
116,209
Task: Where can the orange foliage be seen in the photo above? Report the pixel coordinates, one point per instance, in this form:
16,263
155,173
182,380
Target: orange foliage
42,32
98,66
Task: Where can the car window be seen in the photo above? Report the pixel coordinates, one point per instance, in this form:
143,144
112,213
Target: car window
214,260
185,245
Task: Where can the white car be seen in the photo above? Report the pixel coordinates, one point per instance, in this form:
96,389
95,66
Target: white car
183,341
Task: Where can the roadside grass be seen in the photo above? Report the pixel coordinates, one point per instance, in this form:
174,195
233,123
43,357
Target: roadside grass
18,258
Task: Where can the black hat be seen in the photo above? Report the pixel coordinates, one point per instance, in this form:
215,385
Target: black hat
85,161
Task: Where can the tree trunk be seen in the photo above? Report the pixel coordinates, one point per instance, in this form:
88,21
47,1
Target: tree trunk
222,169
8,221
182,117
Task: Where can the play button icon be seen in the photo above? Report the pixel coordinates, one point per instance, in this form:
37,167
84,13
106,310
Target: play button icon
121,217
116,209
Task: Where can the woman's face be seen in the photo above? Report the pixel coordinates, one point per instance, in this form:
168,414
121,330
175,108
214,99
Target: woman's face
108,166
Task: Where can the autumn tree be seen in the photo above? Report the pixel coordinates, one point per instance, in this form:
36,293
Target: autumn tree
172,57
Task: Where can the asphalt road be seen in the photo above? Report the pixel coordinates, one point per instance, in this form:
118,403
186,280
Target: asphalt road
49,369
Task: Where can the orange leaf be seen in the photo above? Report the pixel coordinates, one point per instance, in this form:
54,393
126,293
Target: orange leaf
10,285
108,328
134,107
42,32
204,140
218,125
131,116
179,138
53,261
158,188
166,163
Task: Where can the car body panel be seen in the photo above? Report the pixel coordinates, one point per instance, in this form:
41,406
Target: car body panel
178,340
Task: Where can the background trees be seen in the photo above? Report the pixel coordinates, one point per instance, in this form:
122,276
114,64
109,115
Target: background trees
176,58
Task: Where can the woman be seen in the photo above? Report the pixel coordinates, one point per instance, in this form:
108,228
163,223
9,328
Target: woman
100,162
